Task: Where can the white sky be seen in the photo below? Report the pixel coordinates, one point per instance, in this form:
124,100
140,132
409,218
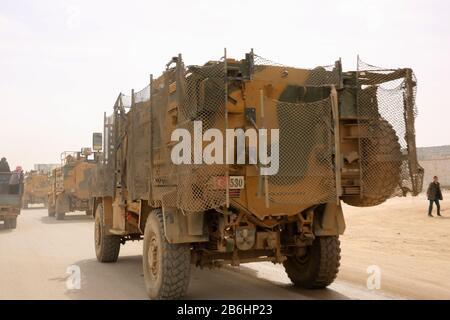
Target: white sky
62,63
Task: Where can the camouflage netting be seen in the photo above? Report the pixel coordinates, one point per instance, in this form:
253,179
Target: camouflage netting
386,111
306,172
200,96
386,107
321,76
142,95
125,100
138,148
103,175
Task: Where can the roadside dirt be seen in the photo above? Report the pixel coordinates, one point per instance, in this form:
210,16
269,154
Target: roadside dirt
411,249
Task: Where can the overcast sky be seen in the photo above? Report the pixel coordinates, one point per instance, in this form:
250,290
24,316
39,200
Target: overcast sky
62,63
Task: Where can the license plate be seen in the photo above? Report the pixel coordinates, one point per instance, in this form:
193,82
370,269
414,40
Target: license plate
235,182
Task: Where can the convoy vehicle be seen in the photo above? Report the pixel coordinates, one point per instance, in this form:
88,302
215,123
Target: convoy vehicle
10,201
36,188
70,184
340,137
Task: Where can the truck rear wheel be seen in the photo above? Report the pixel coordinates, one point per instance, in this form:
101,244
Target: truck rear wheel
318,267
51,211
60,214
107,247
166,266
11,223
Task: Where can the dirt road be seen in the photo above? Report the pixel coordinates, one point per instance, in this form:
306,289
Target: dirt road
411,250
34,259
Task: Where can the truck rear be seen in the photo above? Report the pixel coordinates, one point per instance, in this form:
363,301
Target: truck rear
247,160
70,184
10,201
36,188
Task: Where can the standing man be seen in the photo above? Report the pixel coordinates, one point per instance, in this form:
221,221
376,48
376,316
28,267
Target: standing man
434,194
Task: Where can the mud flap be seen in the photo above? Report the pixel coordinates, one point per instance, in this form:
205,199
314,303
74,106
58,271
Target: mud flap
332,221
184,228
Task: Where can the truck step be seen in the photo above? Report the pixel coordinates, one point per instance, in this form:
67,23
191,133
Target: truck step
118,232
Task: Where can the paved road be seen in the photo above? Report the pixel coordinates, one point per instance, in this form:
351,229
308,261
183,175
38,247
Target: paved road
35,257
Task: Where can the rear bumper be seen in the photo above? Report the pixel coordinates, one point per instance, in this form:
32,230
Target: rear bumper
9,210
4,214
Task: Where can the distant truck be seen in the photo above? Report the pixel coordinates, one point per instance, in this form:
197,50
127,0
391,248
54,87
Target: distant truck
70,184
10,201
36,188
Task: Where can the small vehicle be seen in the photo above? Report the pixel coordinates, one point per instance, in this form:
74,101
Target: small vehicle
10,201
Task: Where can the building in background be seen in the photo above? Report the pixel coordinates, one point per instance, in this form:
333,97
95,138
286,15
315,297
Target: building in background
436,162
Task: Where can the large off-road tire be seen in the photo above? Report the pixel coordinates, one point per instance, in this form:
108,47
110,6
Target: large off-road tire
59,208
107,247
60,215
51,210
166,266
11,223
318,267
381,166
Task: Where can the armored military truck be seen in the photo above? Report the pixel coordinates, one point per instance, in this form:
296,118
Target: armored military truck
36,188
188,168
10,200
70,184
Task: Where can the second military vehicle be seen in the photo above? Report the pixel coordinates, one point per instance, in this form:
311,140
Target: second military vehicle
70,184
36,188
334,136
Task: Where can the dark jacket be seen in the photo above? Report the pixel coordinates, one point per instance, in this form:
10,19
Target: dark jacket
434,191
4,166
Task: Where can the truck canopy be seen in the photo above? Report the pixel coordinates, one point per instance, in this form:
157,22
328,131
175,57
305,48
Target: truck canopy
6,198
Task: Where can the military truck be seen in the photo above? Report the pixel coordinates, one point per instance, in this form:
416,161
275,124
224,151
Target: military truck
36,188
339,136
10,201
70,184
